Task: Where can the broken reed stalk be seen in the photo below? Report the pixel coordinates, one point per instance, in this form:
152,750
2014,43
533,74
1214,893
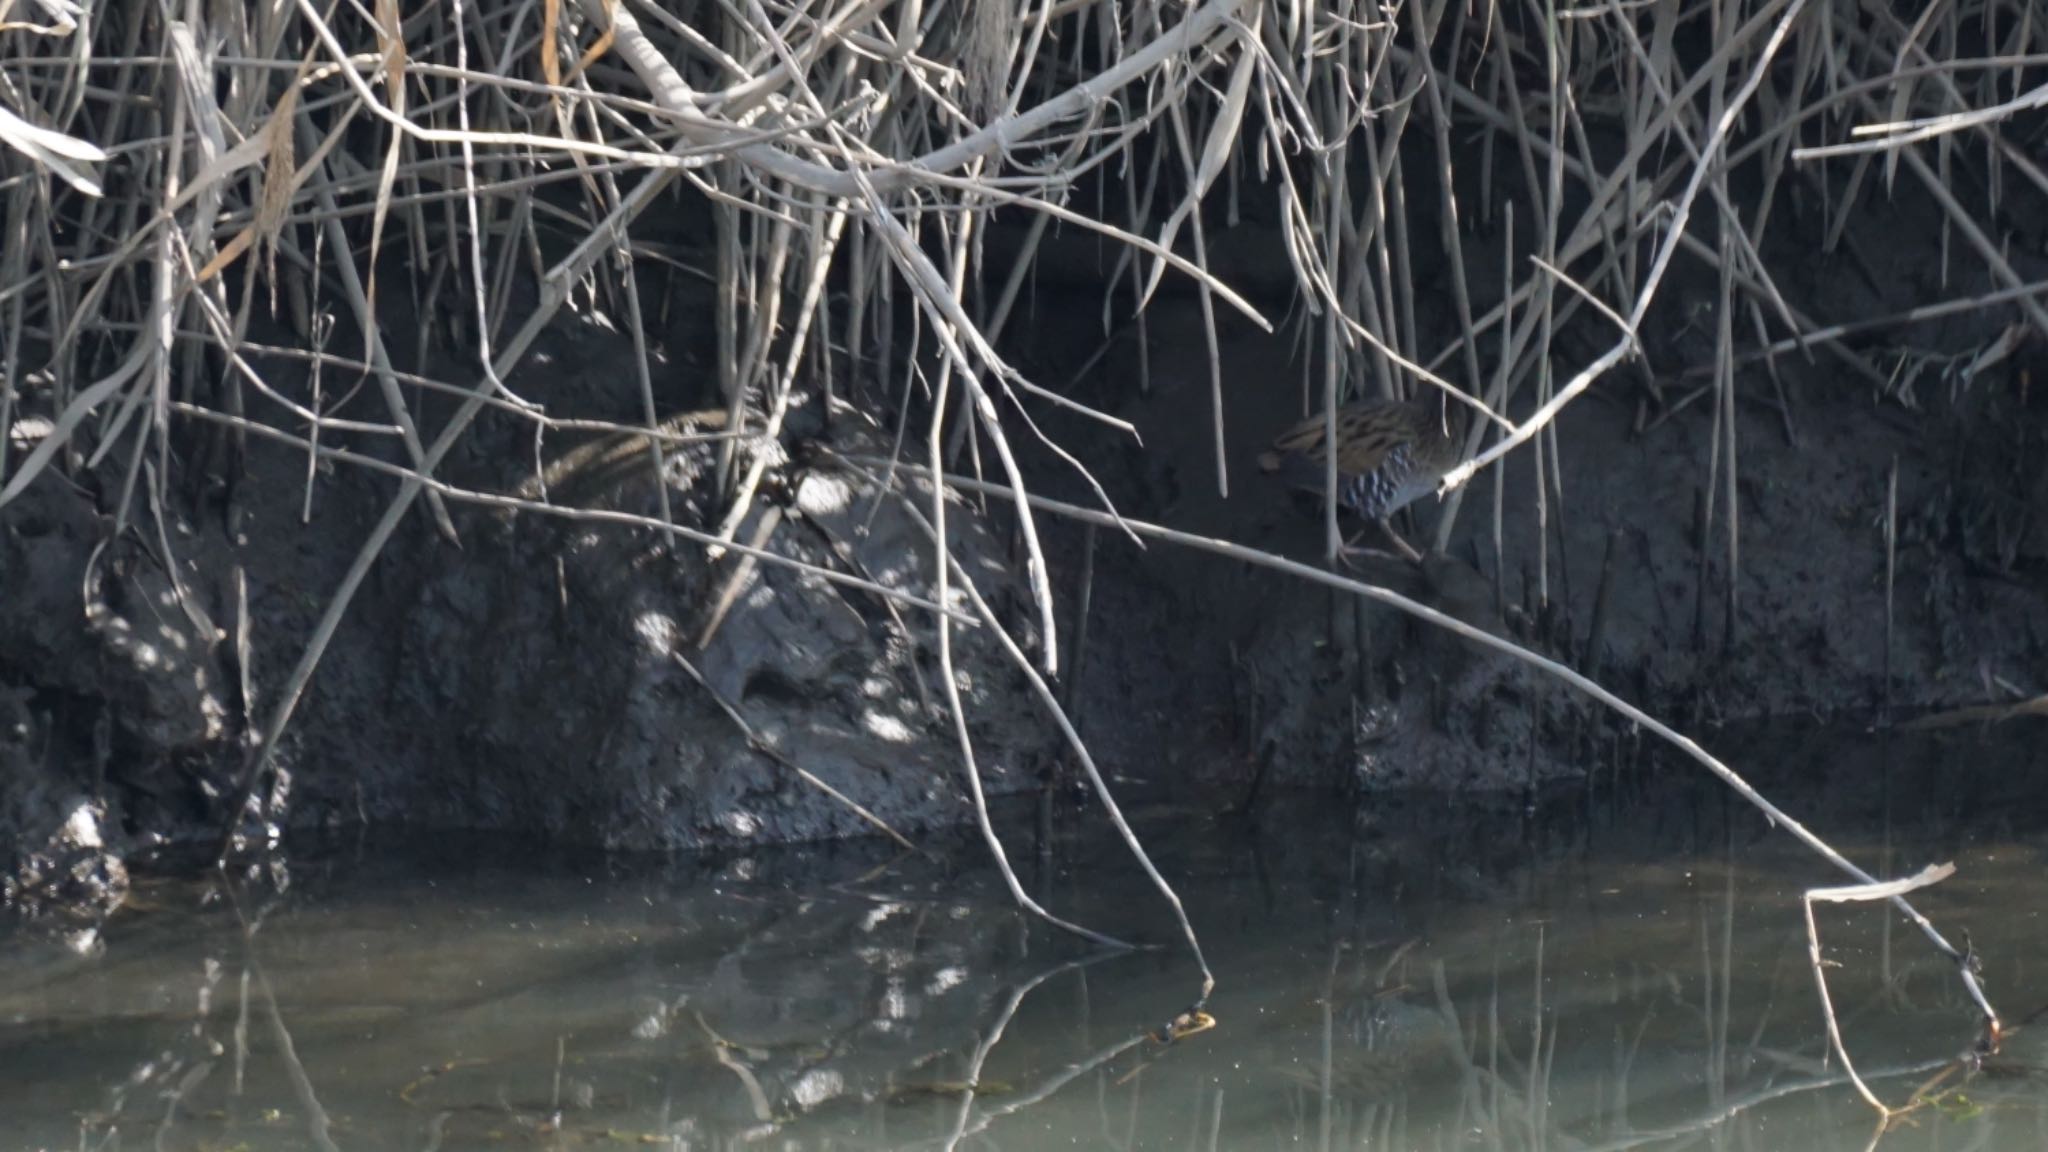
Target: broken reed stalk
1891,568
1777,816
1892,890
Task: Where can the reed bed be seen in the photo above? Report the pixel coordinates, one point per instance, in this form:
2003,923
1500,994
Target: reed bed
172,173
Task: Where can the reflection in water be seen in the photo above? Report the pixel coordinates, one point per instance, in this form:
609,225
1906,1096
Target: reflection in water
1624,969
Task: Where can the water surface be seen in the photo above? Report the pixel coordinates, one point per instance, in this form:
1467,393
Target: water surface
1623,967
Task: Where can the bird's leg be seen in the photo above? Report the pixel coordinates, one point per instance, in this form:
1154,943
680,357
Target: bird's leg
1386,524
1351,546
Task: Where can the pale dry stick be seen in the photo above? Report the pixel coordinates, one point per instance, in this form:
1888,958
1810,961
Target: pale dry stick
1986,714
13,270
825,241
1294,231
772,45
610,101
156,382
725,220
562,512
1390,197
380,361
82,405
1899,134
1892,890
759,274
1178,117
1549,477
1083,605
1941,74
1368,292
742,572
1577,680
1195,30
1602,203
758,744
1891,562
1718,187
949,322
317,357
223,340
1837,332
1497,400
1423,28
1724,343
1080,748
942,579
1310,268
2009,154
1584,379
958,238
1592,67
1332,204
392,56
1216,149
642,375
706,132
1741,1105
1990,252
1774,132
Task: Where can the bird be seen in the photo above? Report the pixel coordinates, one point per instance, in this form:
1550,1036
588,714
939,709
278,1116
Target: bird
1390,453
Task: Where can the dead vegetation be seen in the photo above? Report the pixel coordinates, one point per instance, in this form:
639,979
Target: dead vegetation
173,173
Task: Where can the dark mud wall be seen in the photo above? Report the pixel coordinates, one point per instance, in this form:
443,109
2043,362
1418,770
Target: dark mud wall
572,679
1227,670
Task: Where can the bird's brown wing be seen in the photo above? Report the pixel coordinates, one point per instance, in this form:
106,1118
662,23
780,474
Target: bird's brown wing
1365,434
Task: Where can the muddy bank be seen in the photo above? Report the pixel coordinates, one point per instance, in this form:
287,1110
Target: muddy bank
579,680
592,681
1625,586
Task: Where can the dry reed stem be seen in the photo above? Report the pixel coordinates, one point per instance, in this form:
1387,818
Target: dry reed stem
1080,748
1548,411
1892,890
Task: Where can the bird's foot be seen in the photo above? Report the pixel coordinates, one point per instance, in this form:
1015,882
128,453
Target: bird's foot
1407,549
1348,551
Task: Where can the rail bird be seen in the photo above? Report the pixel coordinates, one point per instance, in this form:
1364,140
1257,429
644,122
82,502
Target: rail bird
1390,453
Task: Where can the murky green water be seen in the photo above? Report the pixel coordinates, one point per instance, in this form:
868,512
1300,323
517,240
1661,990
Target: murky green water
1626,968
